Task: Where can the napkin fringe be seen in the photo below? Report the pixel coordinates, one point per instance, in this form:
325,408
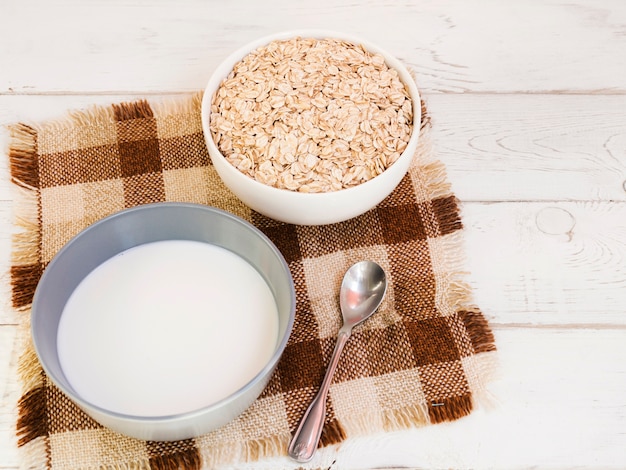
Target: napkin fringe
450,409
143,109
32,421
249,451
487,368
36,454
23,156
26,219
91,117
176,106
457,292
406,418
437,184
23,165
478,331
135,110
187,460
31,425
332,433
437,187
399,419
261,448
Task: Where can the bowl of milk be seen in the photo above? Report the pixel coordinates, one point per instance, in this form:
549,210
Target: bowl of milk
164,321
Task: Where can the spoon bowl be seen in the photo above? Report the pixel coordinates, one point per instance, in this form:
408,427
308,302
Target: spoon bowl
362,290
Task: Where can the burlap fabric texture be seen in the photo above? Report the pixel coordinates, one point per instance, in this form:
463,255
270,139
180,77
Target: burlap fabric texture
423,358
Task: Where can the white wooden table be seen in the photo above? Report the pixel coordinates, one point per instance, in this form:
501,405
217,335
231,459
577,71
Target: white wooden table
528,100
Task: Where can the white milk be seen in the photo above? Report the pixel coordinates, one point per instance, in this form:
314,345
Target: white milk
167,327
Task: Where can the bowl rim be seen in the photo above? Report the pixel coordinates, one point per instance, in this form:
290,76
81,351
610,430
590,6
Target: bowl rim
226,65
242,391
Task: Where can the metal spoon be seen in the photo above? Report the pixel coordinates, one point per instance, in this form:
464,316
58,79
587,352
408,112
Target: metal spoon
362,290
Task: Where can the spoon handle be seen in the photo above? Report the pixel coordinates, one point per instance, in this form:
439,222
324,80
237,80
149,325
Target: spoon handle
306,438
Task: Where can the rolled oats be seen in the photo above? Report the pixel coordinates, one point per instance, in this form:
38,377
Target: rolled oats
312,115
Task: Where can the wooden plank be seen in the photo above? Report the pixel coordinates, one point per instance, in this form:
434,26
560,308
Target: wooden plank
558,401
453,45
552,263
496,147
529,148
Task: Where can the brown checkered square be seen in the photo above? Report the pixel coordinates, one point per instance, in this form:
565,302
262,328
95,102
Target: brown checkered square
401,224
86,165
285,237
138,141
310,355
185,151
432,341
447,213
359,232
421,359
144,188
138,157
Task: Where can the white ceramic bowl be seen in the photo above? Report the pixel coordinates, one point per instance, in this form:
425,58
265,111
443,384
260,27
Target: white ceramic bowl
131,228
309,208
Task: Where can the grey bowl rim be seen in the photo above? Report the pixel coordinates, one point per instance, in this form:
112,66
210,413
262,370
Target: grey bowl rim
265,372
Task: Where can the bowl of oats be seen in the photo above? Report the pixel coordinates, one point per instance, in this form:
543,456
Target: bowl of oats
311,127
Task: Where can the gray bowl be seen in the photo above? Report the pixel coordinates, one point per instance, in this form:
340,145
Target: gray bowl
144,224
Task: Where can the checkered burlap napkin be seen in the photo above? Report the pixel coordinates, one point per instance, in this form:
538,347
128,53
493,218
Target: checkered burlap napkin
423,358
